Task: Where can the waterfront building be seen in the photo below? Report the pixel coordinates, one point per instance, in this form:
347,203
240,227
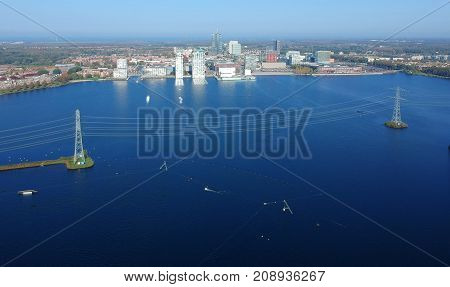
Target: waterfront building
289,53
216,43
179,69
340,70
198,67
271,57
226,70
323,57
121,72
296,59
417,58
234,48
274,66
251,62
155,72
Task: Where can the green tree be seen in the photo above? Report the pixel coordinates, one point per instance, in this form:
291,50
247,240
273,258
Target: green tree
57,71
64,78
74,70
43,72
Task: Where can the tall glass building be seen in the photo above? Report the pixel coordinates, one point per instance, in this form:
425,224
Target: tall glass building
277,46
216,43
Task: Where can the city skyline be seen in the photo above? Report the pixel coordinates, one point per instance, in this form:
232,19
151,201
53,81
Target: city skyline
139,20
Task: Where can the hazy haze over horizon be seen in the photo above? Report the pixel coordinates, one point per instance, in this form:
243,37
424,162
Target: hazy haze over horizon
196,20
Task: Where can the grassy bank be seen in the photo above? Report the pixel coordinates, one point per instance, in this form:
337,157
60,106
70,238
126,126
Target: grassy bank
45,86
67,161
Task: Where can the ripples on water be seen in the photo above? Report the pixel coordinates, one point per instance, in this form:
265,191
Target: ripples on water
398,178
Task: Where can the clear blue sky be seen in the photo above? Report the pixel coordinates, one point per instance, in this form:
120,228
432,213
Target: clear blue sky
295,19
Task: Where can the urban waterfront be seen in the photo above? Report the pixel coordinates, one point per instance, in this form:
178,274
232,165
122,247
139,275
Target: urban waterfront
398,178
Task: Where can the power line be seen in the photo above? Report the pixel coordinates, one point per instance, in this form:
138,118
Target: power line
35,144
35,125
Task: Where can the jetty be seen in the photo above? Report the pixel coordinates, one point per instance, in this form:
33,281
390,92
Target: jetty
68,161
79,160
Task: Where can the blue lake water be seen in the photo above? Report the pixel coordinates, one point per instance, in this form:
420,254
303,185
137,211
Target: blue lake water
396,178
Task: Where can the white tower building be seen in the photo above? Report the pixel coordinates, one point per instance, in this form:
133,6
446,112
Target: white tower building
234,48
198,67
179,69
121,73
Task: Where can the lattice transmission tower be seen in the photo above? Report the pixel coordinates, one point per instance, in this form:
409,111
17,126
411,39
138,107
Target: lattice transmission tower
396,121
78,157
396,115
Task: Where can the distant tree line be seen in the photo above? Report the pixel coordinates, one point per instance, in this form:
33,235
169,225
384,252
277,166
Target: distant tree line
413,69
437,71
64,78
392,65
350,59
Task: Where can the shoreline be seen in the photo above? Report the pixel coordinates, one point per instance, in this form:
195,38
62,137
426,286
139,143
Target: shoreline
55,85
257,74
357,74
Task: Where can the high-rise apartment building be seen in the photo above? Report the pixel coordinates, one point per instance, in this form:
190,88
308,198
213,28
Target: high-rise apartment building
277,46
179,69
121,72
198,67
216,43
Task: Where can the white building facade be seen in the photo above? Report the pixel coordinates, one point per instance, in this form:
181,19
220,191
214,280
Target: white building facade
155,72
179,69
121,72
251,62
226,70
296,59
234,48
198,67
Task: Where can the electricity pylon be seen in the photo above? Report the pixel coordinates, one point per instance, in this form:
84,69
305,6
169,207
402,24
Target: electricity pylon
78,157
396,122
396,115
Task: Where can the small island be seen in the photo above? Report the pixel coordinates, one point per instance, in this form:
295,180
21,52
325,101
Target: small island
396,125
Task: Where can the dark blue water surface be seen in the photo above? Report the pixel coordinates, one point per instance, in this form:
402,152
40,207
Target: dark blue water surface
396,178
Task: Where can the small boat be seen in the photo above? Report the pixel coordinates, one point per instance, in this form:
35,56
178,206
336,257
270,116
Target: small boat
27,192
147,99
213,191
